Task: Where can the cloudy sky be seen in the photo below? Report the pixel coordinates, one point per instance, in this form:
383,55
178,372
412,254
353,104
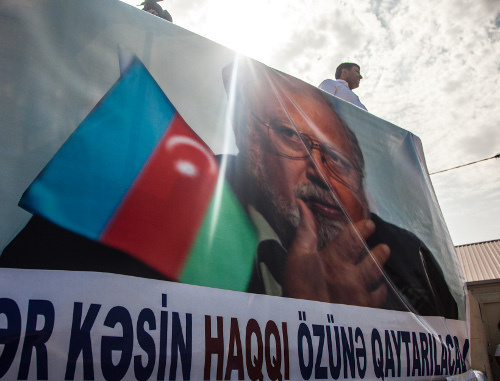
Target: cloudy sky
430,67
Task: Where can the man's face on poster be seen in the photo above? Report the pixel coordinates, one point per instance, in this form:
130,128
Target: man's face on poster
296,147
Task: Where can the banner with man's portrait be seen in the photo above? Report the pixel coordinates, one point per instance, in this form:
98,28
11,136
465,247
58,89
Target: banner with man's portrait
171,208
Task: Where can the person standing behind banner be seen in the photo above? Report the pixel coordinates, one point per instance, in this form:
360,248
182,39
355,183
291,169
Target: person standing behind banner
347,78
152,6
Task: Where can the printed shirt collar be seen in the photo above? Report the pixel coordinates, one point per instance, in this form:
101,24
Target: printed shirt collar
264,230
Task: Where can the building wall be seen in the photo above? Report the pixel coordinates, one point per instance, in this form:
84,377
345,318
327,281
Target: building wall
484,300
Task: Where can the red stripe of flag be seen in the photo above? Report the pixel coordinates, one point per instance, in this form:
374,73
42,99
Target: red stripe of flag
160,216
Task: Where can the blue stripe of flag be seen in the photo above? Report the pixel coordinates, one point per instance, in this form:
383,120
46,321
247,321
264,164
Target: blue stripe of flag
86,180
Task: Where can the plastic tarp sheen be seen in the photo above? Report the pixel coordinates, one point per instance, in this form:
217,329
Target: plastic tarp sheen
172,209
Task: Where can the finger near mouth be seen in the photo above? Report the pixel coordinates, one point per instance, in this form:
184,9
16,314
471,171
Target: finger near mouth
325,209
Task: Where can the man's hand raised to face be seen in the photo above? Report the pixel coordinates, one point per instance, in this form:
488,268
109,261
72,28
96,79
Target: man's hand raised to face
344,271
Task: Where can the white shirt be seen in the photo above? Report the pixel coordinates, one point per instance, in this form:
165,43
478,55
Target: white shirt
341,89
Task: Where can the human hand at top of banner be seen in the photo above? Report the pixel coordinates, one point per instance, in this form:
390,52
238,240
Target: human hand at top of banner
343,271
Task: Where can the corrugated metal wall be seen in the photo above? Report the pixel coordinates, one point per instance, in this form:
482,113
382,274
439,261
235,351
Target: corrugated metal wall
480,261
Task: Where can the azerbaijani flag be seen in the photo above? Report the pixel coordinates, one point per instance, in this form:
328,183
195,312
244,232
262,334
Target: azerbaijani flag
136,177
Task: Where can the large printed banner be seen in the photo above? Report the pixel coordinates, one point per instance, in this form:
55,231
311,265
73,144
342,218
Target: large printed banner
170,208
145,329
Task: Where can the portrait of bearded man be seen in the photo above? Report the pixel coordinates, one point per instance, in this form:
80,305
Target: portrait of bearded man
299,175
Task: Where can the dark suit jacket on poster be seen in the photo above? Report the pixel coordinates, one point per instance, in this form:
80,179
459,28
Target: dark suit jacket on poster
414,271
44,245
411,267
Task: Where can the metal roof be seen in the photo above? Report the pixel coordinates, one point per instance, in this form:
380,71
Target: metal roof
480,261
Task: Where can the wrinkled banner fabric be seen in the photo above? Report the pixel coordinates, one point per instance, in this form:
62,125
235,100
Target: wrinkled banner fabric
171,209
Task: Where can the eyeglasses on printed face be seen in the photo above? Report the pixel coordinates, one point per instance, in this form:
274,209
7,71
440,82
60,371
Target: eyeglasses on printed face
292,144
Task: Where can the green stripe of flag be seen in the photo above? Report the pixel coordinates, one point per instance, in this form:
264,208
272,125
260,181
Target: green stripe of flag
225,248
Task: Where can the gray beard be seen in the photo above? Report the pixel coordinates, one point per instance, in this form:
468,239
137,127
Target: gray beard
328,229
283,216
286,216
